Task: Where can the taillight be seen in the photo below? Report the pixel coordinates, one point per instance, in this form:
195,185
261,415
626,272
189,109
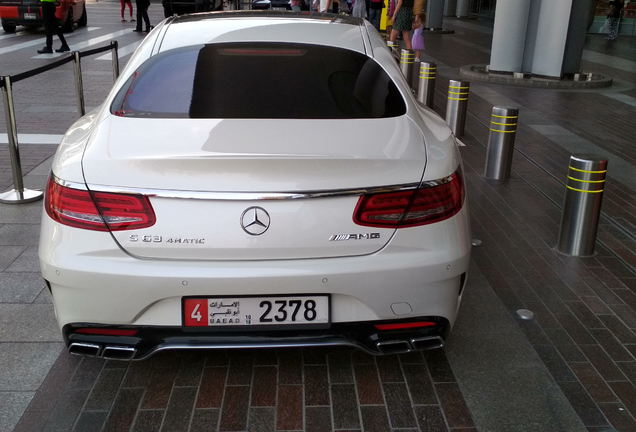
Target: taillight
97,211
429,204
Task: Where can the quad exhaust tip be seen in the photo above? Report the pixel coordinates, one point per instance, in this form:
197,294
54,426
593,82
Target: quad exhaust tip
416,344
84,349
108,352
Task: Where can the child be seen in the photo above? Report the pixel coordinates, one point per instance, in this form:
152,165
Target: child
417,42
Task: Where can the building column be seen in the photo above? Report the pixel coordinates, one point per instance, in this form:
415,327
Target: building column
450,7
509,35
577,30
463,6
434,13
552,32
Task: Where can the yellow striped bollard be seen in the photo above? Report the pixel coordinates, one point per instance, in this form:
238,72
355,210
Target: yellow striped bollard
407,59
501,142
456,106
426,89
582,205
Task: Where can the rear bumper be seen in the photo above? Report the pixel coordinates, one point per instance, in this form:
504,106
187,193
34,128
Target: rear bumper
150,340
16,15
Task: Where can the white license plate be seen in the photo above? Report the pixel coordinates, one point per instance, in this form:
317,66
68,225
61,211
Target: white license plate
279,8
30,16
249,311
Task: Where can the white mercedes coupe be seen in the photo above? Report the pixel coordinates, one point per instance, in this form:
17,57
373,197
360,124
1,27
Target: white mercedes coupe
256,179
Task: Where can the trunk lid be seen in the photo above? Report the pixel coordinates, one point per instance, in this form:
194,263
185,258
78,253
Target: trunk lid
208,179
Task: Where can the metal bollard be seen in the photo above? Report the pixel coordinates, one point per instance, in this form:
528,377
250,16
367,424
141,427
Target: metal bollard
18,194
392,44
426,90
407,58
456,106
582,205
501,142
113,51
79,86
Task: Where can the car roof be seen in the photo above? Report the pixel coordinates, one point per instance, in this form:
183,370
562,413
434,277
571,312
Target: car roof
339,31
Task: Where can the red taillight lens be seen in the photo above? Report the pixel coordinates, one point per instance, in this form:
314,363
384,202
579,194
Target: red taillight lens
77,208
412,208
107,332
403,326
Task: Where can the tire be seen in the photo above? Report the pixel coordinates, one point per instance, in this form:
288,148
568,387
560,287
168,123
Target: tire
8,27
69,26
84,19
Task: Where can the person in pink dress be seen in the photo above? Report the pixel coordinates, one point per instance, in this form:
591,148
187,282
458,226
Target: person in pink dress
417,41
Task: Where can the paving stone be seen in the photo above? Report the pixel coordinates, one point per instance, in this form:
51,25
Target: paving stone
13,406
235,408
28,261
25,365
20,234
179,411
289,413
20,287
28,323
9,255
344,407
264,386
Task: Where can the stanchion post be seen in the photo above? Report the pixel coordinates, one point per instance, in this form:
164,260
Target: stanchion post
456,106
79,86
582,205
18,194
407,58
426,89
113,51
501,142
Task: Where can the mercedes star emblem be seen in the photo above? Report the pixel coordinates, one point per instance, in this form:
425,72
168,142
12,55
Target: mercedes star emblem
255,221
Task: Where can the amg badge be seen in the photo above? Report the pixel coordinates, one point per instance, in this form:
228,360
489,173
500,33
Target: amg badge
343,237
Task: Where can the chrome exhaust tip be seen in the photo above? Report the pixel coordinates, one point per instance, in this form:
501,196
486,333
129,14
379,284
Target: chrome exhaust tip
118,353
430,342
394,347
84,349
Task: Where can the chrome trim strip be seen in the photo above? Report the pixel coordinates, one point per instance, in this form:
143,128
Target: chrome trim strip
255,345
252,196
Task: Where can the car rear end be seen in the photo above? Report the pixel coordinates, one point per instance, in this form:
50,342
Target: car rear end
28,13
216,214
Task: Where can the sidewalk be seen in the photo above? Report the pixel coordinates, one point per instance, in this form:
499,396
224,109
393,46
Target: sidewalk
573,368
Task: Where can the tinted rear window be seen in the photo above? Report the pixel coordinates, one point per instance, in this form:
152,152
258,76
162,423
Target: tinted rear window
260,80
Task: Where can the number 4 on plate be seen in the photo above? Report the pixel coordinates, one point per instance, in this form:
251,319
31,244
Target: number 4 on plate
195,312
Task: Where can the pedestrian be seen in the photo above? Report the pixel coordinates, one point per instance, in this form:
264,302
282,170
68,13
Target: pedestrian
613,15
142,14
402,21
417,42
375,13
50,26
359,9
325,6
123,9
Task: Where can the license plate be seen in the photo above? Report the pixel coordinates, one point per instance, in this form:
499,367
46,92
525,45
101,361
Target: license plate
279,8
30,16
250,311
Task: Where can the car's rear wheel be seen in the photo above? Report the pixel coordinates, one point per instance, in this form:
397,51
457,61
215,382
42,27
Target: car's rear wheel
68,25
84,19
8,27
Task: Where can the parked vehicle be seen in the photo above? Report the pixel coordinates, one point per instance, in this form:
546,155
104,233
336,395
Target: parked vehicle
257,179
15,13
180,7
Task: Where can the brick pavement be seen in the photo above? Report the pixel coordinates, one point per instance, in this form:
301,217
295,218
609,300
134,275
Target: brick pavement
572,368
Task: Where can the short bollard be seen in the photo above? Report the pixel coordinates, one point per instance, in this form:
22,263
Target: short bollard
456,107
582,205
501,142
426,90
392,45
407,58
